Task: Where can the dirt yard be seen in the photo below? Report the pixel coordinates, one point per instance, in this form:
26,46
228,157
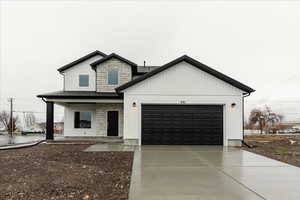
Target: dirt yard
285,148
64,172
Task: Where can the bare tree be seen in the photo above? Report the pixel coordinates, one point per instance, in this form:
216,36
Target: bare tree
271,119
6,122
265,119
257,117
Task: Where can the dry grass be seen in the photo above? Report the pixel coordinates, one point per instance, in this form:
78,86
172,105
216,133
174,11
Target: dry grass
285,148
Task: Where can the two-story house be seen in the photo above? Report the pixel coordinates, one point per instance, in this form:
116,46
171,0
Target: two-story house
182,102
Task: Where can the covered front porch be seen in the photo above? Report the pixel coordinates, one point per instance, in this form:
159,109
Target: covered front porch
86,114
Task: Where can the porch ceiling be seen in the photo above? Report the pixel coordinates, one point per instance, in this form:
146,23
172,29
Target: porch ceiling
64,102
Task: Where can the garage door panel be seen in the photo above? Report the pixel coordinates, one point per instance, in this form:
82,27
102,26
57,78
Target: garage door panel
182,124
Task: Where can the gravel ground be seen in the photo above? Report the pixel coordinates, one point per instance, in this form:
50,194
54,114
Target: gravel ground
285,148
64,172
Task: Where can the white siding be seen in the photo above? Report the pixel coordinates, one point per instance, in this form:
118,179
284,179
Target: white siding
99,119
183,82
69,129
183,79
71,76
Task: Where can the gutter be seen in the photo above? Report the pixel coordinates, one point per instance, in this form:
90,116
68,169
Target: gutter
243,141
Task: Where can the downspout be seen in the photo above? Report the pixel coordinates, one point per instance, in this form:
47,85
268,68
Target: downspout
243,105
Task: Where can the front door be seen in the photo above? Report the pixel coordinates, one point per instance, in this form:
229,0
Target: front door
112,123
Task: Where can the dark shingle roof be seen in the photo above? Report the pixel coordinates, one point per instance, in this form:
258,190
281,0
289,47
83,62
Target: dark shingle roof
88,56
143,69
81,95
193,62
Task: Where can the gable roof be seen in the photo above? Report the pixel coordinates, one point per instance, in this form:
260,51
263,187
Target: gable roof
193,62
84,58
114,55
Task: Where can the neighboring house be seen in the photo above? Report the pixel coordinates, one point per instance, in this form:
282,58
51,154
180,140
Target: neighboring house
291,124
181,102
58,127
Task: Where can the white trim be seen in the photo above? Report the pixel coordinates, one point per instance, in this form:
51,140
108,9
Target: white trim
64,81
225,140
86,100
183,95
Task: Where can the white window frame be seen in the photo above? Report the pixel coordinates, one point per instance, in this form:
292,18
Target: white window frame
118,77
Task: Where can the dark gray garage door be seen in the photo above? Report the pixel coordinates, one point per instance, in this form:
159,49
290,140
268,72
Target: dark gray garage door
182,124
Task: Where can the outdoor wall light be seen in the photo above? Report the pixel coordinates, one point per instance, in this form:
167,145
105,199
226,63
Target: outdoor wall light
134,104
233,105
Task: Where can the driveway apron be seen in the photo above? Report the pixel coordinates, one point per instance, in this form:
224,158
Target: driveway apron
210,173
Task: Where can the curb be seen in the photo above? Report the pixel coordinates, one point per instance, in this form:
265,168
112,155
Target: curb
19,146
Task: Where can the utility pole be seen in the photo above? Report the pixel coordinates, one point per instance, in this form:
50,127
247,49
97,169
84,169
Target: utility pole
11,117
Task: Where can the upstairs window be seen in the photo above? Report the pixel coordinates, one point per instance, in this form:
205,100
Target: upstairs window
83,120
83,80
112,78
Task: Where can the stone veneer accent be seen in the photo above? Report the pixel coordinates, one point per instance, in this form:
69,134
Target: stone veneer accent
112,65
101,117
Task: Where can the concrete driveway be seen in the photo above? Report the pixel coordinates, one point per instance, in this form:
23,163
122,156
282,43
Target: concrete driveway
210,173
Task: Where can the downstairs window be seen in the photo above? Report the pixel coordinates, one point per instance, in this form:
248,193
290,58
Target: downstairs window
82,119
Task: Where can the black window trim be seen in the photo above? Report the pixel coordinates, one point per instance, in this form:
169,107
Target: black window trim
79,120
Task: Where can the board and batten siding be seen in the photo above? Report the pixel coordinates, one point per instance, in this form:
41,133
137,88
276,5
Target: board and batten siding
184,84
71,76
69,129
124,73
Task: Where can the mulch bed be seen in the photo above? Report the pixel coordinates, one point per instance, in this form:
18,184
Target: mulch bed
285,148
64,172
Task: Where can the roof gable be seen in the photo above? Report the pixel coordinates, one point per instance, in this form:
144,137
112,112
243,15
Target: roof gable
86,57
114,55
194,63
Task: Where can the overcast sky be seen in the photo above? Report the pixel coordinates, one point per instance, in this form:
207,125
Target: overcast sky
257,43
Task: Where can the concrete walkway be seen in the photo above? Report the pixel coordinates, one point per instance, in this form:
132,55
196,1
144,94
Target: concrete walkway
210,173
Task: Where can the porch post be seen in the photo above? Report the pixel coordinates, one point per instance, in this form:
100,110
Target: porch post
49,121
